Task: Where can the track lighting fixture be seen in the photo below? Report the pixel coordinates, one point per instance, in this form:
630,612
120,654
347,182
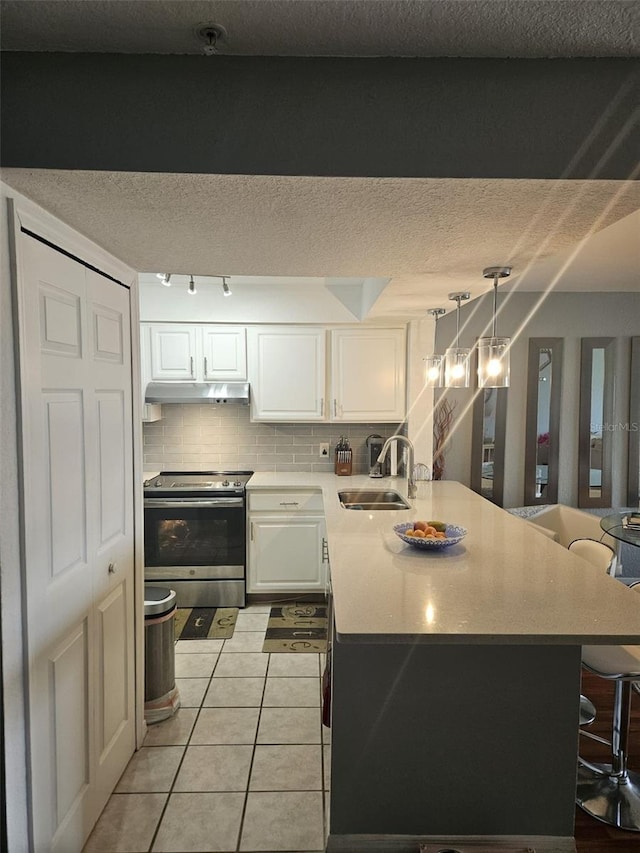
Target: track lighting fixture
493,352
225,287
192,287
165,278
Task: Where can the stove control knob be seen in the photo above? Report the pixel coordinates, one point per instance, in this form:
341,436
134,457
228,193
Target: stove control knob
237,483
225,483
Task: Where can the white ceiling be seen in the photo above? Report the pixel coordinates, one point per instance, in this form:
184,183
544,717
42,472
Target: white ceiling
499,28
429,237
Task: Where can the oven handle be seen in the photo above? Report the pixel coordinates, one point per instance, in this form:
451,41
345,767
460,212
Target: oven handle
192,503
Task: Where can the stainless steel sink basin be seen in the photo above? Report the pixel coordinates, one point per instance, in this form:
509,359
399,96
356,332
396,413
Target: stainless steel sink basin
372,499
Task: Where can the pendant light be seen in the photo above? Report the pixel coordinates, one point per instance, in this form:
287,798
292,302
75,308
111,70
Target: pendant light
192,286
434,364
165,278
493,352
456,359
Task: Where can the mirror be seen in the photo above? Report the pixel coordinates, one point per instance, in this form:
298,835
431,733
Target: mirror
544,378
488,442
633,497
595,422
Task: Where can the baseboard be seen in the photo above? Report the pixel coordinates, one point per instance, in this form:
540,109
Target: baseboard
450,844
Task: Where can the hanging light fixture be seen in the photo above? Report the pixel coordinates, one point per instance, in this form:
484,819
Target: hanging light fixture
456,359
493,352
226,290
192,287
434,364
165,278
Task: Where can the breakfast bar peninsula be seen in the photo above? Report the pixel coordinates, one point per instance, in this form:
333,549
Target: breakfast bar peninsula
456,675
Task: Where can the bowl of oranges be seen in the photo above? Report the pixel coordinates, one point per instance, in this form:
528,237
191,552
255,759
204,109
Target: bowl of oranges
429,534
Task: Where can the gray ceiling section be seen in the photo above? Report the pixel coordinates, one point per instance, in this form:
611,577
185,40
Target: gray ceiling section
471,28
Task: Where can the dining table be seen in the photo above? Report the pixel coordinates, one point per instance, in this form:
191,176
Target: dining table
615,526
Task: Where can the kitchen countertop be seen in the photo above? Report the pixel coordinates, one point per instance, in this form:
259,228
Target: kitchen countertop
504,583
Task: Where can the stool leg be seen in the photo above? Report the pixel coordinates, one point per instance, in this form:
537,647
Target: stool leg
611,792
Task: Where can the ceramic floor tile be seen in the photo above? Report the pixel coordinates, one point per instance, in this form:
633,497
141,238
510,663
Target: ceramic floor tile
326,759
293,665
274,821
195,666
151,769
256,608
289,725
286,767
198,647
215,768
174,731
226,725
191,691
252,622
234,693
244,641
200,823
127,824
292,693
238,665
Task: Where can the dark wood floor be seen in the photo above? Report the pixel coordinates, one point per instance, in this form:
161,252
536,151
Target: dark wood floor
593,836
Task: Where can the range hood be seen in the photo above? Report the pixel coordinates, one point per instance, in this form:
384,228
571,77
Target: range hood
198,392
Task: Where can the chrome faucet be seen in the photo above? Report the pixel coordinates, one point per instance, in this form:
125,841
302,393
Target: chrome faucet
412,490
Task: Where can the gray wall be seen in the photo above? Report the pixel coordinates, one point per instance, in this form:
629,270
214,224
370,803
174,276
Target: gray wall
465,118
200,438
571,316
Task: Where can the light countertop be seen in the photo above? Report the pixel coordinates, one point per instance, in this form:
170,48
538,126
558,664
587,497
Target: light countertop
504,583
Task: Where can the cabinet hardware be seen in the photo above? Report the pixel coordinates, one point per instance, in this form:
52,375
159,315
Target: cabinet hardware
205,366
112,568
191,360
322,407
335,408
251,531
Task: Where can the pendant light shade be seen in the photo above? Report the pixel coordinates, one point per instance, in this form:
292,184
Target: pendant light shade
457,359
434,364
493,352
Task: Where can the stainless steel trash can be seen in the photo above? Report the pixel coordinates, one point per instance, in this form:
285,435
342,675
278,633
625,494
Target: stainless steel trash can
161,698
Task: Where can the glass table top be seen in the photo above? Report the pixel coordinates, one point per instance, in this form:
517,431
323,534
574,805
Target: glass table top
615,525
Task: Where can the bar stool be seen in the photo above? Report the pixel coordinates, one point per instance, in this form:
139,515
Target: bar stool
597,553
611,792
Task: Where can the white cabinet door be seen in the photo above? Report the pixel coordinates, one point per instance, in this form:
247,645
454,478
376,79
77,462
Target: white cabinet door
150,411
368,375
286,553
287,373
75,367
173,352
224,353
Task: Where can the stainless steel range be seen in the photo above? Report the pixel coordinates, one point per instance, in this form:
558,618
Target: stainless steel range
195,536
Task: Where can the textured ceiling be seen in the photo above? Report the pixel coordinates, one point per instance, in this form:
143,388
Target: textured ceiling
471,28
429,236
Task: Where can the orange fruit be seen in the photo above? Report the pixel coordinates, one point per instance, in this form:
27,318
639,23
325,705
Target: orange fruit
419,534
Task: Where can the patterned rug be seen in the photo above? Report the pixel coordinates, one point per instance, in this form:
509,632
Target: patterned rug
297,628
205,623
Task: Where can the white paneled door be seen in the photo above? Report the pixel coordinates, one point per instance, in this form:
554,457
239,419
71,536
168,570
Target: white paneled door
75,376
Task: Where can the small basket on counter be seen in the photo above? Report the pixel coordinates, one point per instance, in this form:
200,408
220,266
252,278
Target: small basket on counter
344,458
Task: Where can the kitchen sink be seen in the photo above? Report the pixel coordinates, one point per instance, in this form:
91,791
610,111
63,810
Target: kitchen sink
372,499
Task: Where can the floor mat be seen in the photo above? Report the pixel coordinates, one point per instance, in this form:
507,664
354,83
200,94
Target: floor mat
205,623
297,628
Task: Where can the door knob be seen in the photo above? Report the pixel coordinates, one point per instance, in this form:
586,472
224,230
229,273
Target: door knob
112,568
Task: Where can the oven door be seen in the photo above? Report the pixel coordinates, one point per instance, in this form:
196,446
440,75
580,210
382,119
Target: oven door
199,538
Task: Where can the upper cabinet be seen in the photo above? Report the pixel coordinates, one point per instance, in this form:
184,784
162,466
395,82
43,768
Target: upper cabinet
368,375
197,353
289,380
287,373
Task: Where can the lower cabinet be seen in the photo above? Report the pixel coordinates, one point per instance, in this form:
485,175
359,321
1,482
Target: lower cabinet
287,542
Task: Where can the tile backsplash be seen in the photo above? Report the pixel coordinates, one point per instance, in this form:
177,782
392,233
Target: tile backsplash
199,437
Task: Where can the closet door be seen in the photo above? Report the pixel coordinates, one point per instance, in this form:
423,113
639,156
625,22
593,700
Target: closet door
75,377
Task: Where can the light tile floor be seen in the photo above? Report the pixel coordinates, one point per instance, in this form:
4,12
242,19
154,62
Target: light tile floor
242,766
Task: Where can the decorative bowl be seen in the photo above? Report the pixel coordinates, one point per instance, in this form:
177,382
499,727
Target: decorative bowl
453,532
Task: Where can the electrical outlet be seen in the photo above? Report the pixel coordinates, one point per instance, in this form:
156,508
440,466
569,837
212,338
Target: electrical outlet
324,449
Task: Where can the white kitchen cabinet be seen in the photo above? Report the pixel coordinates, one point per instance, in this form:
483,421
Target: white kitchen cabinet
150,411
368,375
224,353
287,542
197,353
287,373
